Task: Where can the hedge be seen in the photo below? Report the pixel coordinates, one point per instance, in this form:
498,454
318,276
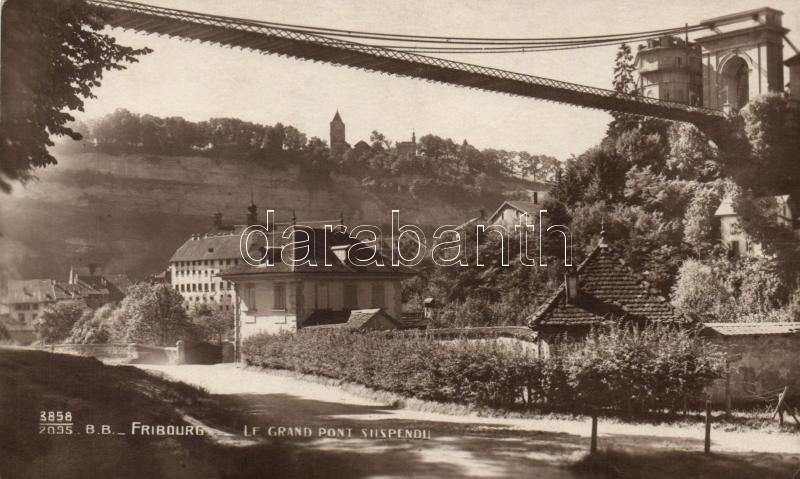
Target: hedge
629,371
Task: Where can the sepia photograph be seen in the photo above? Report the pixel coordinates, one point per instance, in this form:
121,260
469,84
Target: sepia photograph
399,239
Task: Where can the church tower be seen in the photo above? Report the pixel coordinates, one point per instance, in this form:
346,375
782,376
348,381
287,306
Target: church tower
338,141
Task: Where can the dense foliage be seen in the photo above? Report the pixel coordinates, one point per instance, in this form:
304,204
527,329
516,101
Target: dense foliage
55,322
617,370
53,56
149,314
441,167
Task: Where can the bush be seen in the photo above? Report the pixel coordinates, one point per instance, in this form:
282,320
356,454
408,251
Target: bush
640,370
94,328
56,321
621,370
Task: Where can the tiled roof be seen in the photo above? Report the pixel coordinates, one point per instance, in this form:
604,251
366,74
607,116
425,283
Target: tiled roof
607,290
750,329
725,208
526,206
770,203
44,290
208,247
323,317
114,285
412,321
29,291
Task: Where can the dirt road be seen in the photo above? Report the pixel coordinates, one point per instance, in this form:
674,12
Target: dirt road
327,433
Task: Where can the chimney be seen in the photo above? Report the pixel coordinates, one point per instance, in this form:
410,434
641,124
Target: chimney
218,220
92,268
571,285
483,214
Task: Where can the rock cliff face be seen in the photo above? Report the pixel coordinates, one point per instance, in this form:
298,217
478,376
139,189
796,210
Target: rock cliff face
129,213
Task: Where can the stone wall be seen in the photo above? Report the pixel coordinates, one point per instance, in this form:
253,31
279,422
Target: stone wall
116,352
757,364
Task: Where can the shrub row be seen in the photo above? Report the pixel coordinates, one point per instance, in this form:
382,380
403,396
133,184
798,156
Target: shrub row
628,371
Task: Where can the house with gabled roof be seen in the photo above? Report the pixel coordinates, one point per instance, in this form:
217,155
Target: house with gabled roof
601,290
273,296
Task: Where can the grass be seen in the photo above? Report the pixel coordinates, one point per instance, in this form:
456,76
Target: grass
611,464
94,393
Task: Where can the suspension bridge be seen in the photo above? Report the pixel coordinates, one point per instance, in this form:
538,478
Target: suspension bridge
317,47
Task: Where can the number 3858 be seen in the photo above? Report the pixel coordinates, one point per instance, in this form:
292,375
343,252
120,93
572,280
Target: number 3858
55,416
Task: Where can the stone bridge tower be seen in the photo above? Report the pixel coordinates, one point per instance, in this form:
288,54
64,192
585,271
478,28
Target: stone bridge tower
743,58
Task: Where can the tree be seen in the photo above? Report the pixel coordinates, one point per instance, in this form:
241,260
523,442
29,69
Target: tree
214,325
53,56
761,145
55,323
154,314
624,84
700,228
691,156
378,141
94,327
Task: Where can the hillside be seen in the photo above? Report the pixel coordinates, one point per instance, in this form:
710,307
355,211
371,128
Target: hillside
129,213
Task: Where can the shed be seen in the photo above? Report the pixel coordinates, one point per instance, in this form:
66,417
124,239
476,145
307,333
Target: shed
761,358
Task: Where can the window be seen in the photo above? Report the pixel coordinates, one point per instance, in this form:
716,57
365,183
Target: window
21,317
350,296
734,249
279,296
322,296
378,295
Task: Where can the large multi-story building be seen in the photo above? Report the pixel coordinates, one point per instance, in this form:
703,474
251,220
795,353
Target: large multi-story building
194,266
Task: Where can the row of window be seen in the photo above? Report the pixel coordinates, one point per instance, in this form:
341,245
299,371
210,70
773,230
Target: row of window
205,272
321,295
208,262
221,307
26,306
202,287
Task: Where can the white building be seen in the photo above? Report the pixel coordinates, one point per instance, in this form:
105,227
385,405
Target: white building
278,297
195,265
731,233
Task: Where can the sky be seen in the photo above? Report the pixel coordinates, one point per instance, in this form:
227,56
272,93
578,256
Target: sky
201,81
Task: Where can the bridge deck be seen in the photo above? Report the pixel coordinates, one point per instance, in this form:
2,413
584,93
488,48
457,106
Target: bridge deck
259,37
